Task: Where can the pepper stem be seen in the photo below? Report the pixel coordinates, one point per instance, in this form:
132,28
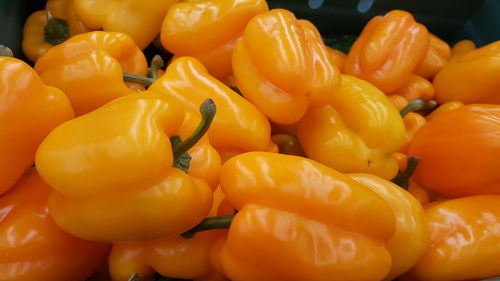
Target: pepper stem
207,110
403,177
156,63
219,222
56,31
130,77
5,51
418,105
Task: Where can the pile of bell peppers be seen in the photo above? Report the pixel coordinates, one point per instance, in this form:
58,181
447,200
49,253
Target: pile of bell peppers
246,149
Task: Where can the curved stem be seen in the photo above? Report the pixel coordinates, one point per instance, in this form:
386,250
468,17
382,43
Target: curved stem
56,31
403,177
219,222
156,63
130,77
429,107
5,51
414,105
207,110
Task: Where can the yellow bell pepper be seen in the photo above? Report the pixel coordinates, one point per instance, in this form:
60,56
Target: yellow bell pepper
238,125
113,175
462,47
89,68
357,132
140,19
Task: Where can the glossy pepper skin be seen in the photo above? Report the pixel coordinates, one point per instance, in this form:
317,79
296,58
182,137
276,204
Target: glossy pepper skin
296,219
459,152
357,132
410,224
438,54
89,68
29,111
282,66
117,182
34,44
465,237
188,27
473,77
237,125
140,19
462,47
413,122
416,87
388,50
449,106
32,247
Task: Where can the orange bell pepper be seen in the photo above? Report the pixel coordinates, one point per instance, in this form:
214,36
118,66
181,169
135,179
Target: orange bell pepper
187,30
438,54
413,122
398,101
459,152
290,227
449,106
462,47
32,247
29,111
140,19
357,132
388,50
471,78
282,66
123,175
237,125
464,240
89,68
416,88
338,58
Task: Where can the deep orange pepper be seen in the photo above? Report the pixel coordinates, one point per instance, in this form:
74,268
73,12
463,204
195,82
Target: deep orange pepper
29,111
473,77
459,152
188,30
462,47
32,247
416,88
89,68
338,58
418,192
282,66
388,50
438,54
465,237
413,122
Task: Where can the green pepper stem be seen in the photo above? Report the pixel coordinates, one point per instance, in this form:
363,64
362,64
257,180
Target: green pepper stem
207,110
414,105
5,51
403,177
156,63
219,222
429,106
56,31
130,77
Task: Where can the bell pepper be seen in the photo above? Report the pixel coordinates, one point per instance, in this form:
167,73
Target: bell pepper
300,220
29,111
49,27
238,124
413,122
459,152
449,106
464,240
471,78
357,132
338,58
462,47
438,54
32,247
398,101
188,30
282,66
388,50
118,177
410,224
89,68
140,19
416,88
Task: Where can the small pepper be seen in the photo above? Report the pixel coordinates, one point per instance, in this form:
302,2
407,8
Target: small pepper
29,111
462,47
388,50
459,152
473,77
32,247
282,66
187,30
89,68
464,240
140,19
438,54
357,132
416,88
118,172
